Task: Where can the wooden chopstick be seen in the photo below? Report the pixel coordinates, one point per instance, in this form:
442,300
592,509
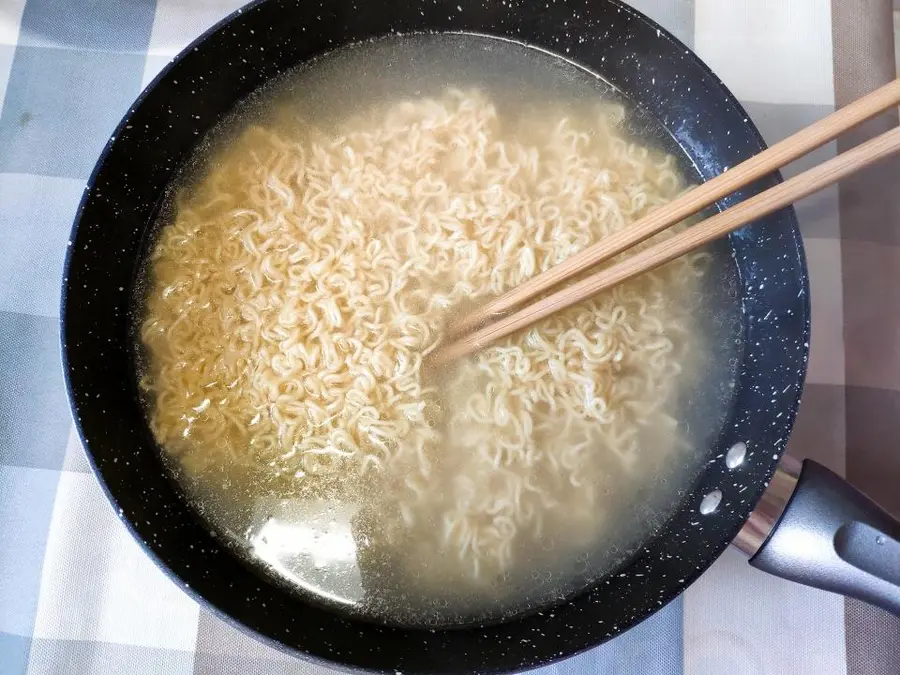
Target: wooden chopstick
691,202
693,237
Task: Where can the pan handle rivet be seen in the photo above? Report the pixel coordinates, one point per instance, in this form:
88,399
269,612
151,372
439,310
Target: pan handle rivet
735,455
711,502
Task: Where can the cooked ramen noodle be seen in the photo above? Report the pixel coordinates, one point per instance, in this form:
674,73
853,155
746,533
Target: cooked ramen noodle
303,281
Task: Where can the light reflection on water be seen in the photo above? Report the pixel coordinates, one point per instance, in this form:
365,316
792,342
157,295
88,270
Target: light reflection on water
309,544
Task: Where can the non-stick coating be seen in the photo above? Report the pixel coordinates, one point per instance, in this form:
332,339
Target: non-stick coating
649,65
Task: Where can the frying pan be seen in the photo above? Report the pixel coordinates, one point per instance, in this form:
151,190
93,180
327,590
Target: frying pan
828,535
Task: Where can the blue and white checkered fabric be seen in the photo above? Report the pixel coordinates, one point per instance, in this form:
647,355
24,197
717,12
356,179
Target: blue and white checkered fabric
77,595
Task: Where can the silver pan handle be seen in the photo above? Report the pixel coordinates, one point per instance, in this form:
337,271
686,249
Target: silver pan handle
815,528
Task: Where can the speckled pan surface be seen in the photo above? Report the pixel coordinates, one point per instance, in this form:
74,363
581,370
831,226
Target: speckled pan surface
259,42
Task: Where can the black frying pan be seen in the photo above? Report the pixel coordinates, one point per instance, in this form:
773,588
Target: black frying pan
661,76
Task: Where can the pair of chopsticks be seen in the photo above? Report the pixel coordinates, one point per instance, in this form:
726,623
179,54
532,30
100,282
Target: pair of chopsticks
493,320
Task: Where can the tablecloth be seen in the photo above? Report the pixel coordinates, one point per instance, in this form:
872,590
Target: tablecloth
77,595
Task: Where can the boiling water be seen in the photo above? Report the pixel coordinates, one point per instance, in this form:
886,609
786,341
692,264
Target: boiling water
319,547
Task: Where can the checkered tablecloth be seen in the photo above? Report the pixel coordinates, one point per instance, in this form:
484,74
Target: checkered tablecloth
77,595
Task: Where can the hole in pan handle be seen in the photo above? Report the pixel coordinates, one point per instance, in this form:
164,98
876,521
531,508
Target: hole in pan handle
828,535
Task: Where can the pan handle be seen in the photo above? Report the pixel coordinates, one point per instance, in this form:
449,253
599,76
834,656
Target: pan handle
831,536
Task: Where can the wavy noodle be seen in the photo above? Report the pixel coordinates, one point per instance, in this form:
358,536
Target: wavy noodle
307,276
